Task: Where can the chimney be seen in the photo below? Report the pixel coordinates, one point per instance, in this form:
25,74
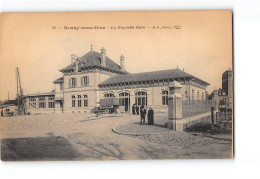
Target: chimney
73,58
77,65
103,57
122,62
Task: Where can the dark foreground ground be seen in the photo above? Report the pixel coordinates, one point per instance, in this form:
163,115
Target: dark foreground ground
85,137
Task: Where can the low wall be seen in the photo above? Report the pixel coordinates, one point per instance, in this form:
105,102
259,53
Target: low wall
182,124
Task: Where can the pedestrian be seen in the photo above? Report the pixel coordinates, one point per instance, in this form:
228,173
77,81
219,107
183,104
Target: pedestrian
143,114
133,109
96,111
150,116
137,109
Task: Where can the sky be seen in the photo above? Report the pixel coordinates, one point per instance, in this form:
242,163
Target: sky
201,44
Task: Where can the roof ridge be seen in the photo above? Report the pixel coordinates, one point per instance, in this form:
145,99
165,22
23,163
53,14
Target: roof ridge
158,71
154,75
92,59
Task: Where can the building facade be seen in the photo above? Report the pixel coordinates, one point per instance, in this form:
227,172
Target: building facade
40,103
95,76
224,95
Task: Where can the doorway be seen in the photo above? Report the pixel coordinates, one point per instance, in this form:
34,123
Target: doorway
124,100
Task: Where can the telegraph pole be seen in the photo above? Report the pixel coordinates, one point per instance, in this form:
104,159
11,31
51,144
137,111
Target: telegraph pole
17,85
19,92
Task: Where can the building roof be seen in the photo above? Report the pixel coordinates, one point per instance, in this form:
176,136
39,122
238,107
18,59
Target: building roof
151,76
40,94
59,80
93,59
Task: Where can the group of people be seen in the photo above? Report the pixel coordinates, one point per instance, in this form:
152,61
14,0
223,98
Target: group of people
150,114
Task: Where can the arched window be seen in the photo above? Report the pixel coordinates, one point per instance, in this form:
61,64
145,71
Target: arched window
141,98
192,97
109,95
165,97
124,94
73,102
79,100
198,95
85,100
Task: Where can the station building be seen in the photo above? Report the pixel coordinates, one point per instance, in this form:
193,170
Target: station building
95,76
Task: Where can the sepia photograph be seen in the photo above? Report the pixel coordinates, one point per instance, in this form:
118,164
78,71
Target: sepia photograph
126,85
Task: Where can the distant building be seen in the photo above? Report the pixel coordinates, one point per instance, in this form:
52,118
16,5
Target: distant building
224,96
227,82
95,76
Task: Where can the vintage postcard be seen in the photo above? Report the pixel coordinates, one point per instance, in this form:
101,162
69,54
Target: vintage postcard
133,85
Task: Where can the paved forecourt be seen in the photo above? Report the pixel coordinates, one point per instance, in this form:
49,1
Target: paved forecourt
86,137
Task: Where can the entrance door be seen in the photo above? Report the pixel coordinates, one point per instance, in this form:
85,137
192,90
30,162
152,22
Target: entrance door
124,100
127,104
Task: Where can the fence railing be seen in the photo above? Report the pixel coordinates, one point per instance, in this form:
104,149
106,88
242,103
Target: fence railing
192,108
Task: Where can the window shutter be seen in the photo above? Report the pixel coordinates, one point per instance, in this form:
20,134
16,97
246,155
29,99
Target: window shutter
70,82
75,82
87,80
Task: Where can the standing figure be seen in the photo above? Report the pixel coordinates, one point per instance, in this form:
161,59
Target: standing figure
137,110
143,114
96,111
133,109
150,116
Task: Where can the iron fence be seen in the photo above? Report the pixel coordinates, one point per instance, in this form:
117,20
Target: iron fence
195,107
